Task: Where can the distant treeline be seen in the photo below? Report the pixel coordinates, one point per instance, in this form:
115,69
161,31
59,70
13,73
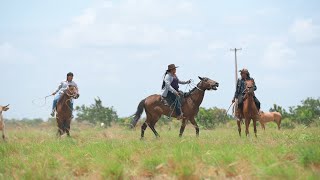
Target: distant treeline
308,114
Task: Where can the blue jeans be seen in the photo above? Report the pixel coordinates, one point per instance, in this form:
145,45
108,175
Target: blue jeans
55,101
172,98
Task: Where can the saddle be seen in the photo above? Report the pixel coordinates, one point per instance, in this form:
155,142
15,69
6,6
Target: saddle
165,101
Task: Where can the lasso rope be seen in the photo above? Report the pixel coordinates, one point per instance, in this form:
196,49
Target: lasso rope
45,101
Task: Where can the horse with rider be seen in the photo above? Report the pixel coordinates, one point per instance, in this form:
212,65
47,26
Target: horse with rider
247,105
173,103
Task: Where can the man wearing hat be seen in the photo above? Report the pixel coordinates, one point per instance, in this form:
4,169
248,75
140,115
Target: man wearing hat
245,75
170,88
61,88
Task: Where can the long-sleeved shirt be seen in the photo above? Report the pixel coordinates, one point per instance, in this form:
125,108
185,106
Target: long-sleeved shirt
241,86
167,84
64,85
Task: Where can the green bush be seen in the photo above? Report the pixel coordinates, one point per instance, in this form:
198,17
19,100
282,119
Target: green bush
96,113
286,123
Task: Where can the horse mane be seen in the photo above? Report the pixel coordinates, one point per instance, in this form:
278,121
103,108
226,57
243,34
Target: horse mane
188,94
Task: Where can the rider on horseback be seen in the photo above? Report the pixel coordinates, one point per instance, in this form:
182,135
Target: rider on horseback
239,94
61,88
170,89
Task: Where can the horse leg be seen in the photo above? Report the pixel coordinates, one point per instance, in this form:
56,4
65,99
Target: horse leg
143,128
67,126
3,134
60,127
255,127
183,125
247,122
263,126
239,127
151,125
279,124
194,123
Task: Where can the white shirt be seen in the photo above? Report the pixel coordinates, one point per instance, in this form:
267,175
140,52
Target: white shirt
64,85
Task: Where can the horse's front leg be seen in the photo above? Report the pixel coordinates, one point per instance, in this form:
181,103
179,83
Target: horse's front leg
60,127
255,127
247,126
183,126
239,126
195,125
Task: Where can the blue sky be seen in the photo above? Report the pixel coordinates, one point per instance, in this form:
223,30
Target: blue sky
119,50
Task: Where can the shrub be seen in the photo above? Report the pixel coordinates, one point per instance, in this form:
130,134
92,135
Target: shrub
286,123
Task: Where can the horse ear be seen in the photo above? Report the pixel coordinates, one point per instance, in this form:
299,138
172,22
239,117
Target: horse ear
200,78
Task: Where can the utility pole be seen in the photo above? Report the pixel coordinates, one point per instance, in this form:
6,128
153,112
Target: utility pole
236,63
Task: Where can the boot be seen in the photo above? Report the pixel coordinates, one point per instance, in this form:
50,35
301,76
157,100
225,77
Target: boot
52,113
180,117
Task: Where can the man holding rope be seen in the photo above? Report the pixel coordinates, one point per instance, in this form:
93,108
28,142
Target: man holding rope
61,88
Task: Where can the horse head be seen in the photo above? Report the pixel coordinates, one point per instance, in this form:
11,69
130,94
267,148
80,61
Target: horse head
4,108
249,87
72,92
207,84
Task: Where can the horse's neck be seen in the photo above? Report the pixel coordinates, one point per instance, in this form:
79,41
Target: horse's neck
197,96
63,100
250,103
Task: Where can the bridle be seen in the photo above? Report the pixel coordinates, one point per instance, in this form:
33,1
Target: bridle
70,95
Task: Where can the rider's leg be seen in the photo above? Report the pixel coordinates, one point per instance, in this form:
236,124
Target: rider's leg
54,105
257,102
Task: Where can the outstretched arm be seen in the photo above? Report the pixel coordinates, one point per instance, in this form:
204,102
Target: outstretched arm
58,89
184,82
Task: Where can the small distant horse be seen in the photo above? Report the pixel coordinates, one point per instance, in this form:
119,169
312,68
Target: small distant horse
249,110
268,117
64,111
2,126
155,108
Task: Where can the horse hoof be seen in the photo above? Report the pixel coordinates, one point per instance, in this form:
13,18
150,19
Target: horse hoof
142,138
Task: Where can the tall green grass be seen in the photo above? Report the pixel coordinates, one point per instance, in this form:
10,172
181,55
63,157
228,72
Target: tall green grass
117,153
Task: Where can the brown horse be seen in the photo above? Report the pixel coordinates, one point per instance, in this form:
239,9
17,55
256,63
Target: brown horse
155,108
64,111
269,117
249,110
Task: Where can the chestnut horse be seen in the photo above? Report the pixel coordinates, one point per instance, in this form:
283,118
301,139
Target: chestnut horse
64,111
249,110
155,108
269,117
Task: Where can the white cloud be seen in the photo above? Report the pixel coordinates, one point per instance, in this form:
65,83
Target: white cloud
11,55
278,55
305,31
127,23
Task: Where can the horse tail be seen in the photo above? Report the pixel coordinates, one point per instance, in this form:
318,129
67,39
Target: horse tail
138,113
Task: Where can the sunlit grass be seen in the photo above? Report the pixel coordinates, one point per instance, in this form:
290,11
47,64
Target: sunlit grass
118,153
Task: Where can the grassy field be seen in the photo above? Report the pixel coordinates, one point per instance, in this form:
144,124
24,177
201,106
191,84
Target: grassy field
117,153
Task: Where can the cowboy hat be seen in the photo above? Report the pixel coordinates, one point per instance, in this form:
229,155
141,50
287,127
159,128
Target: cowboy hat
172,66
244,71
